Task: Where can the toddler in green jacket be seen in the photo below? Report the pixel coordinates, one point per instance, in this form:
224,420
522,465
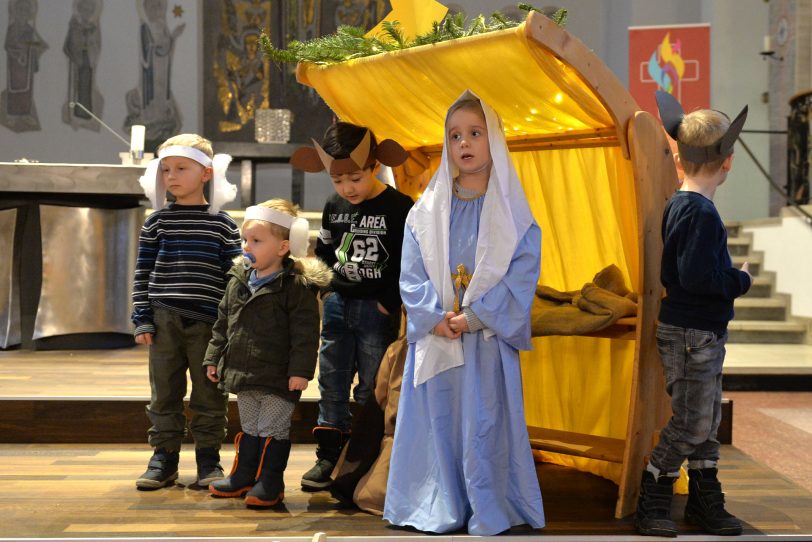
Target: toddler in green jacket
264,345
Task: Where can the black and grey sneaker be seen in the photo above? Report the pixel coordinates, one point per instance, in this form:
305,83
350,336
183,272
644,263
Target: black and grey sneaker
330,441
162,470
318,477
208,466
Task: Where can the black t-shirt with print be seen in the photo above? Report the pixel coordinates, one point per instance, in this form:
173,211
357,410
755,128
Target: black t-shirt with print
362,243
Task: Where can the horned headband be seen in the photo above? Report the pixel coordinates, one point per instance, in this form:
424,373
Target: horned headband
315,159
299,227
671,113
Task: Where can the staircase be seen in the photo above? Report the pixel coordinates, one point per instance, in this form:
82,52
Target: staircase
762,315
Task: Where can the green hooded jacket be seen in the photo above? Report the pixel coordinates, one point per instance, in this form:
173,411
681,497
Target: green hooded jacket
262,339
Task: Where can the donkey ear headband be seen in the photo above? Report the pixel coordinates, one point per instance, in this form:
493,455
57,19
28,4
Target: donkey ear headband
314,159
671,113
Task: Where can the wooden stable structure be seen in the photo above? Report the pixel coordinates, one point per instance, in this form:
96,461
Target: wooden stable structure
597,173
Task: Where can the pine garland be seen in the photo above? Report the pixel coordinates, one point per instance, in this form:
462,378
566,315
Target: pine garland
349,41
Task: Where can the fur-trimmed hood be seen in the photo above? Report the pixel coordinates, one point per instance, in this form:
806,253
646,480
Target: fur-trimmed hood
314,271
309,271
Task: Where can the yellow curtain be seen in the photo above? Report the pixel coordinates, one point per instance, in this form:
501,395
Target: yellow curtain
583,200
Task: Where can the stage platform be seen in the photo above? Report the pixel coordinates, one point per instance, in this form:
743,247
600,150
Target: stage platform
103,391
88,491
93,401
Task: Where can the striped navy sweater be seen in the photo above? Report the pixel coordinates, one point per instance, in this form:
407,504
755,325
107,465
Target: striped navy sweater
183,256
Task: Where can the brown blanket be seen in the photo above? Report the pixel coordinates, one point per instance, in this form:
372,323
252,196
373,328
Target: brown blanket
362,470
597,305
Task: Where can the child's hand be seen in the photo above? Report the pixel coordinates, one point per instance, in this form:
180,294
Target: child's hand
211,373
144,338
458,323
746,269
444,330
297,383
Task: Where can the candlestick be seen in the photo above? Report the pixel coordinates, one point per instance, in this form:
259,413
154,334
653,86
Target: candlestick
137,133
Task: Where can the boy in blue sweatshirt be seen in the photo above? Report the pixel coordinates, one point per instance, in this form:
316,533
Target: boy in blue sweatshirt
701,285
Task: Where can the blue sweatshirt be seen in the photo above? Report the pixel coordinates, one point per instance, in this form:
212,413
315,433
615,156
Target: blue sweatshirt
700,280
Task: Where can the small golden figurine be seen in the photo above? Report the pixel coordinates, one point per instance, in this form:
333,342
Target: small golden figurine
461,280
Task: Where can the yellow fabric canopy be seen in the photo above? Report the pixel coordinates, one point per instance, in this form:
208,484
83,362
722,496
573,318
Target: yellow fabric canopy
582,196
404,95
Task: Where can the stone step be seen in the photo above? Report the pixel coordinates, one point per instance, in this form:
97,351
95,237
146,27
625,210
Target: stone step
760,308
763,285
754,259
739,246
766,332
733,227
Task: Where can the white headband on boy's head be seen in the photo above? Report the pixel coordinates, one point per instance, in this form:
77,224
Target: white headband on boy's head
188,152
298,226
221,192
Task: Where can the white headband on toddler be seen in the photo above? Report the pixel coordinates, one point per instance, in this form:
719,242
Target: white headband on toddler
298,226
222,191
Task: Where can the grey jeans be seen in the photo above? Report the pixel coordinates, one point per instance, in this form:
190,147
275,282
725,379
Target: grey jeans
178,346
692,362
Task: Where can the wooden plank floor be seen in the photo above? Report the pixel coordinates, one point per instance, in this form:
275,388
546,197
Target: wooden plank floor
80,491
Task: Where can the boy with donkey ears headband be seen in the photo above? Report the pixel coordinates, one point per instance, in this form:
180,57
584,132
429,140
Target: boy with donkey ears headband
701,285
360,239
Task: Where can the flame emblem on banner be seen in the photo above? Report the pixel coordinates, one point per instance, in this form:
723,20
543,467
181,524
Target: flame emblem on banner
666,65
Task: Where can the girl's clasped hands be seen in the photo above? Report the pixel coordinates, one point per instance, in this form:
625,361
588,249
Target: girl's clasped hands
451,326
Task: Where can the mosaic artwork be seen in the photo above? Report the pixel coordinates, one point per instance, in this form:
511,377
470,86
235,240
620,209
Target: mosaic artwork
152,103
82,47
23,46
243,81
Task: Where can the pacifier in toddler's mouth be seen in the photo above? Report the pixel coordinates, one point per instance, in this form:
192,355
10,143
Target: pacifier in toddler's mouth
248,259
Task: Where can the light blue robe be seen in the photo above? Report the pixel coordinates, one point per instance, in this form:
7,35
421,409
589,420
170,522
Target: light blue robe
461,455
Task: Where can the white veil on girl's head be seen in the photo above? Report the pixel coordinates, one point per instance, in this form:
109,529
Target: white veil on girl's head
505,218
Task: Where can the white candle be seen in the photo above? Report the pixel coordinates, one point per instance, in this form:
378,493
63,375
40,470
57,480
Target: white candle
137,138
767,43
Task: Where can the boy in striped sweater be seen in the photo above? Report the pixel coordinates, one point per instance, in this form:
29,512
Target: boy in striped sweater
184,252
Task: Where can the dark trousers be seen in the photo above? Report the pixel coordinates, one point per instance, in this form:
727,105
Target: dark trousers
179,345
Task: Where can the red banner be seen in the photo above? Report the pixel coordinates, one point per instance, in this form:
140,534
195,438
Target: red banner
673,58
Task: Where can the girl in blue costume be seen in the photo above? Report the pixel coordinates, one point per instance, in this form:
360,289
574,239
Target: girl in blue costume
470,264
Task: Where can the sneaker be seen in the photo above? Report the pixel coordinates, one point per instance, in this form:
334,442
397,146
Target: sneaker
162,470
208,466
318,477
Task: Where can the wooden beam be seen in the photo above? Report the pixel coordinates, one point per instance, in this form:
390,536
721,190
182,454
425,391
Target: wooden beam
593,72
576,444
656,179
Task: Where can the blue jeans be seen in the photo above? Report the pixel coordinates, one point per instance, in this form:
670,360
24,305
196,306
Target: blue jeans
692,362
354,338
